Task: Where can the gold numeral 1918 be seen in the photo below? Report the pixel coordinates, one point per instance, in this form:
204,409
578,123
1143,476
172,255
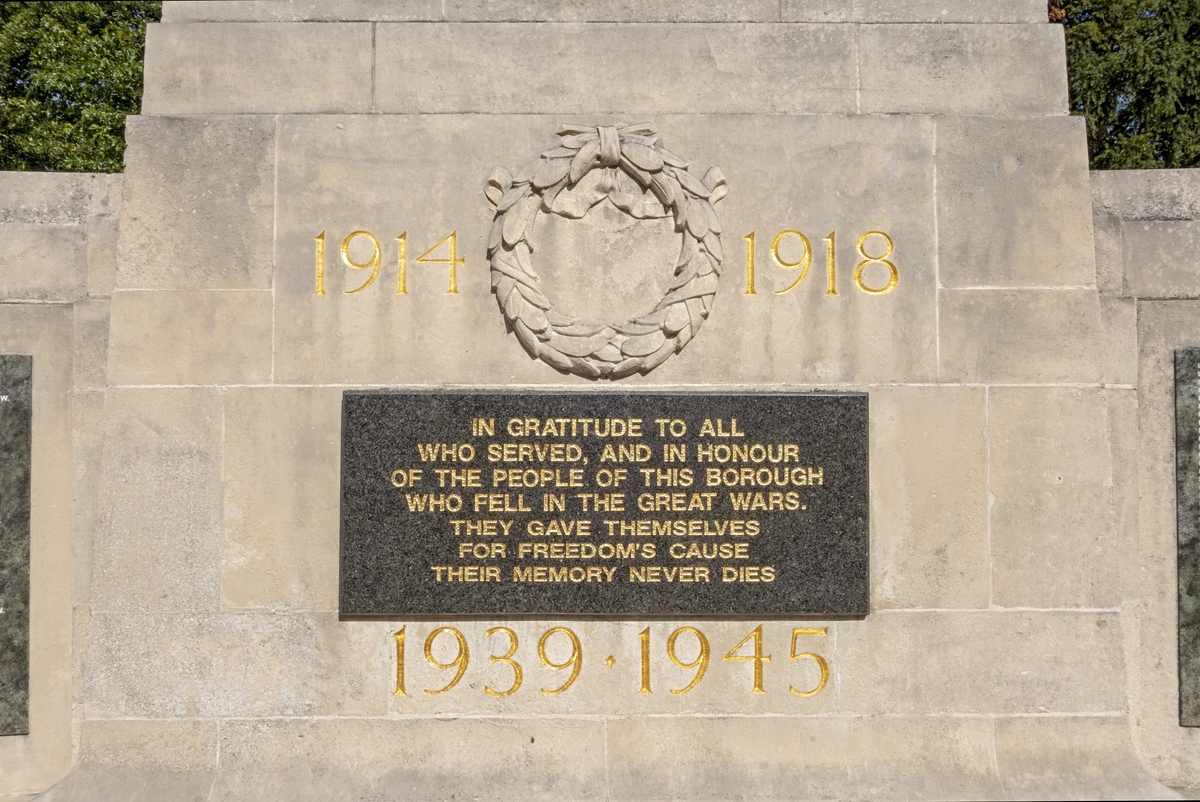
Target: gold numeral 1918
831,278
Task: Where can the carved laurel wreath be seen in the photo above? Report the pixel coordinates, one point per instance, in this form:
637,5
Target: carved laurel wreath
568,180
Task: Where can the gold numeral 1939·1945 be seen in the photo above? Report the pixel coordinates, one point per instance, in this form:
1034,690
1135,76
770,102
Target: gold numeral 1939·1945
686,639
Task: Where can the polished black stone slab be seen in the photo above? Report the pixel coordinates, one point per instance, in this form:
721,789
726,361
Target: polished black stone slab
796,462
1187,510
16,408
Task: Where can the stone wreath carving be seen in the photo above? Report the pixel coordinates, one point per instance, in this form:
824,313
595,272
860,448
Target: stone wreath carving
568,180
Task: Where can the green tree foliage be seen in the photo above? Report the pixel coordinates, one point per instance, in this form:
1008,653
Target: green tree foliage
1134,69
69,73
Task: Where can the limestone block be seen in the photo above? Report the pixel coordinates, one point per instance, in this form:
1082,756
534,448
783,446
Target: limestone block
600,68
963,69
1013,205
929,498
1118,316
264,68
940,11
1109,244
1162,259
158,533
604,689
87,414
57,198
302,11
42,262
91,342
502,759
1123,439
625,11
152,665
1020,336
141,760
1051,480
994,662
846,175
800,758
190,337
200,198
1146,194
281,498
1072,758
101,235
1171,752
39,759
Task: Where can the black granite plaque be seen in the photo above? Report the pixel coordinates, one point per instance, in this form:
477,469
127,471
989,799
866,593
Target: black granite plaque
1187,511
604,504
16,387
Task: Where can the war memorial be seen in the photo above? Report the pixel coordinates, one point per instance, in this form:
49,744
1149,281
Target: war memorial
671,400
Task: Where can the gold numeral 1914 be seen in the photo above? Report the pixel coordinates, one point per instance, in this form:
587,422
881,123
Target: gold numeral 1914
453,261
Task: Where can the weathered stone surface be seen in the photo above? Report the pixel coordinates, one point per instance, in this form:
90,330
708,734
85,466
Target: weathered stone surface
263,69
91,342
42,757
101,235
1108,241
281,498
1013,206
141,760
605,11
940,11
159,665
962,69
1171,752
929,498
1162,258
1051,478
624,11
87,416
1118,317
1071,758
301,11
57,198
888,662
190,337
800,758
768,68
200,199
827,174
158,533
1036,336
1146,194
517,759
42,262
632,253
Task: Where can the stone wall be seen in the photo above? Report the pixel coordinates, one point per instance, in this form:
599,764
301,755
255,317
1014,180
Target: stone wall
1147,231
1019,384
56,277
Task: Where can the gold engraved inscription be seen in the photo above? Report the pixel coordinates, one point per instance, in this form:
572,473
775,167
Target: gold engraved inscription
560,648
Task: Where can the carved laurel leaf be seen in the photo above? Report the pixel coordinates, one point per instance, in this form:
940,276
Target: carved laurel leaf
692,184
643,157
